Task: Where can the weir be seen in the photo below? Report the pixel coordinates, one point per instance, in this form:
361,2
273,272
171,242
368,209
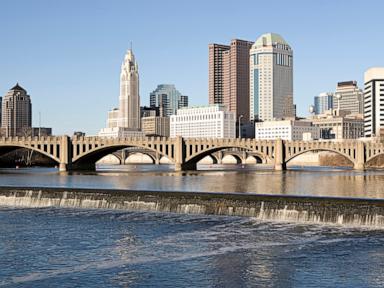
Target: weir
321,210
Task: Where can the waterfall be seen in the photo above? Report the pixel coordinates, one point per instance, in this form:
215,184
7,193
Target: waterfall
346,212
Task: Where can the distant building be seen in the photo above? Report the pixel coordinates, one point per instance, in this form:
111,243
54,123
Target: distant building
16,112
149,111
78,134
41,131
323,102
350,97
213,121
127,117
216,73
229,76
120,132
271,79
374,102
286,130
339,124
168,99
155,126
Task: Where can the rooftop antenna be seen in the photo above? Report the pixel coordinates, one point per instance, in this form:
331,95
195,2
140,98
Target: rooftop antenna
131,46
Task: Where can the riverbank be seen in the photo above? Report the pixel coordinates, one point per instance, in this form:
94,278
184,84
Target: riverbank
302,209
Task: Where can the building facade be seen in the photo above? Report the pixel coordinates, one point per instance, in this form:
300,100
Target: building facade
286,129
271,78
350,97
16,118
129,108
127,116
168,99
323,102
216,73
119,132
214,121
155,126
335,124
374,102
229,76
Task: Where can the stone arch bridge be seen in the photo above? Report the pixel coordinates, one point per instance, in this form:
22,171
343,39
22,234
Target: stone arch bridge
81,153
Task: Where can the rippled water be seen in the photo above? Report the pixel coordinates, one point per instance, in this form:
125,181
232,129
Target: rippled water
299,181
51,247
95,248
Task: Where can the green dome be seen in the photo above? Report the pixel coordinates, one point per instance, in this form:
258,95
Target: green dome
268,39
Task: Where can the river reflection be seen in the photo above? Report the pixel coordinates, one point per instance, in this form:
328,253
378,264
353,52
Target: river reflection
243,179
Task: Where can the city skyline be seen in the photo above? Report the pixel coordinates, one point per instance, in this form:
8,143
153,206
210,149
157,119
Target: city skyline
87,47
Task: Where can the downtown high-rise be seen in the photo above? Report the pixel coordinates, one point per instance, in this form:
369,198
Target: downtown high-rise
374,102
125,120
129,99
349,97
271,79
323,102
229,76
168,99
16,113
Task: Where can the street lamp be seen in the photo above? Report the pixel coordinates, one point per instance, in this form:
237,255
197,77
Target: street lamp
338,97
241,116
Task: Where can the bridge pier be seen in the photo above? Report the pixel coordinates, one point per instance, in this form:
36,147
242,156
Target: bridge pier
279,156
63,167
360,157
185,167
123,156
157,158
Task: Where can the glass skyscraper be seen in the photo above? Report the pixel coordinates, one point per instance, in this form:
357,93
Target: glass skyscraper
323,102
168,99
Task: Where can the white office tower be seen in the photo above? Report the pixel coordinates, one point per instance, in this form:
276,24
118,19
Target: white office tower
125,120
374,102
129,108
271,78
213,121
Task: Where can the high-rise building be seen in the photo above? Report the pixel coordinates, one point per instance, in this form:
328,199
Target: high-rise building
271,78
323,102
125,121
168,99
374,102
16,112
215,72
349,96
129,108
229,76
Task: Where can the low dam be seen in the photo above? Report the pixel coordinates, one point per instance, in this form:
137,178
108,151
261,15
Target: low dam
322,210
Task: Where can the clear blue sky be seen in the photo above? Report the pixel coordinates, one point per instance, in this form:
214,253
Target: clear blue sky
67,54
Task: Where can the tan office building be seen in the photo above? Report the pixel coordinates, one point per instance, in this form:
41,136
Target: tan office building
16,113
155,126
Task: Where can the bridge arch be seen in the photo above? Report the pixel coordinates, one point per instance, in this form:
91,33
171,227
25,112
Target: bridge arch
346,156
196,157
7,148
251,158
88,159
145,154
377,157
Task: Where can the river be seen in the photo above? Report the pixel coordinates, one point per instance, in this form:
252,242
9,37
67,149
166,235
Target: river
66,247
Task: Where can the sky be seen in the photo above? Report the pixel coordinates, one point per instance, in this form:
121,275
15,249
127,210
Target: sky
67,54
